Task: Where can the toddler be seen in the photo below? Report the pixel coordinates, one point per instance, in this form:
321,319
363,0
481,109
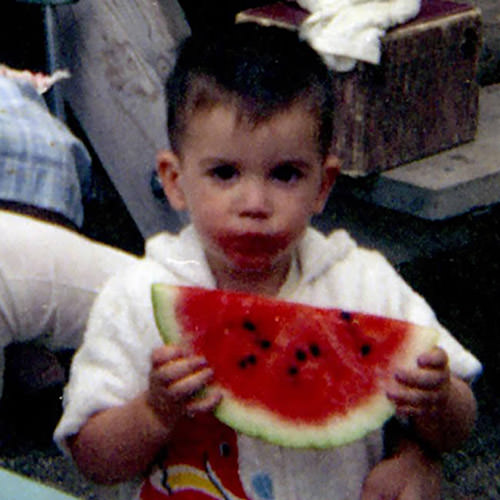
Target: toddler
249,122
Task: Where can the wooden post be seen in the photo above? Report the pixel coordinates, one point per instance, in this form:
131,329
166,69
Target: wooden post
119,53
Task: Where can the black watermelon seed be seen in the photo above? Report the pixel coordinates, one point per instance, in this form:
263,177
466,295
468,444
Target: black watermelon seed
243,363
252,359
293,370
365,349
346,316
265,344
301,355
248,325
225,449
315,350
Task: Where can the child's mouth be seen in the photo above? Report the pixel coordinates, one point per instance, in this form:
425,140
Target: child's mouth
254,244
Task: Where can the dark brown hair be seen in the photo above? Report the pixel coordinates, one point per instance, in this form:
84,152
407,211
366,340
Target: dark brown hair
261,70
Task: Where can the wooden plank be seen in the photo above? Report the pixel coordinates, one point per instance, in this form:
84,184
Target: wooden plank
422,99
119,53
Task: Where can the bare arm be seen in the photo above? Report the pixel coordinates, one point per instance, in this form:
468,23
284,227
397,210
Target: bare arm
441,407
119,443
451,423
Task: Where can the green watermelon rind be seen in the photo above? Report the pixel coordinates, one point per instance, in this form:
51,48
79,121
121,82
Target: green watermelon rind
253,420
164,297
334,432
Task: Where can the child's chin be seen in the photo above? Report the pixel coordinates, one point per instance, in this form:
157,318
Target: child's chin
252,263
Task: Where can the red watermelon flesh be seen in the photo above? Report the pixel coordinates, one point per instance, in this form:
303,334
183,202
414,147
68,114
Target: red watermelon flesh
292,374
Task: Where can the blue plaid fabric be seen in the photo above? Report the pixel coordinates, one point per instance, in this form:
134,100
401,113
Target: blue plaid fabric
41,162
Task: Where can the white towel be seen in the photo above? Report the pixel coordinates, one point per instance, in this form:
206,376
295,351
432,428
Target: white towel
347,31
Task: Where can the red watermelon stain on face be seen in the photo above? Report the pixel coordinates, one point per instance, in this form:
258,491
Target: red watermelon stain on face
254,243
254,250
292,374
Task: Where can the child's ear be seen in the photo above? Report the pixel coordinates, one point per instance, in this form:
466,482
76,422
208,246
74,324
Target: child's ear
331,168
168,168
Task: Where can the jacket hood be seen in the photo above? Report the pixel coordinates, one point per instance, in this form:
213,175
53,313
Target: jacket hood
183,254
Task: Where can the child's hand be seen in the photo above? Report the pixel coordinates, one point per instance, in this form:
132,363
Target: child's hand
175,384
423,390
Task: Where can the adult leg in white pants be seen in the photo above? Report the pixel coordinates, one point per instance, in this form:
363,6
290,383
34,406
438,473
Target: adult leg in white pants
49,277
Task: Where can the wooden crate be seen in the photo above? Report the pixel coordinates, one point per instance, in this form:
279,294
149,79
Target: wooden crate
421,99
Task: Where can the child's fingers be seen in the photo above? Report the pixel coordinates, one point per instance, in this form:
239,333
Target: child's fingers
204,402
435,358
189,385
426,379
432,372
175,383
175,377
414,402
178,368
167,353
419,391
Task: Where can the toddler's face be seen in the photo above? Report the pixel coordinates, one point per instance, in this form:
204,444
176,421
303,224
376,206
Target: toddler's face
250,190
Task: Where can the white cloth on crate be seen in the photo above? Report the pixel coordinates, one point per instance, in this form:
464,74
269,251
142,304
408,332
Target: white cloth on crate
113,364
347,31
49,277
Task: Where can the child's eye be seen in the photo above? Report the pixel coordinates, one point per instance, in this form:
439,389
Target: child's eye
224,172
287,172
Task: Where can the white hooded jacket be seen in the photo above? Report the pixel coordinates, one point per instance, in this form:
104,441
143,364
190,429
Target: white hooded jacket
113,363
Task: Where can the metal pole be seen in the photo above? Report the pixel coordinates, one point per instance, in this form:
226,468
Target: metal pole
54,97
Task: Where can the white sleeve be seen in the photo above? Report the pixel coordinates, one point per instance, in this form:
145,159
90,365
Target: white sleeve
112,365
414,308
365,281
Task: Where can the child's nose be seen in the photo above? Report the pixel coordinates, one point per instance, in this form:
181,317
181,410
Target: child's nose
254,200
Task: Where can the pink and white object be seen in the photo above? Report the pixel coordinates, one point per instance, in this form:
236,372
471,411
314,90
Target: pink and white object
41,81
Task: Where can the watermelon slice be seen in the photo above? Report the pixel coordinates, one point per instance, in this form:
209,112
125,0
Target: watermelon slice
291,374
